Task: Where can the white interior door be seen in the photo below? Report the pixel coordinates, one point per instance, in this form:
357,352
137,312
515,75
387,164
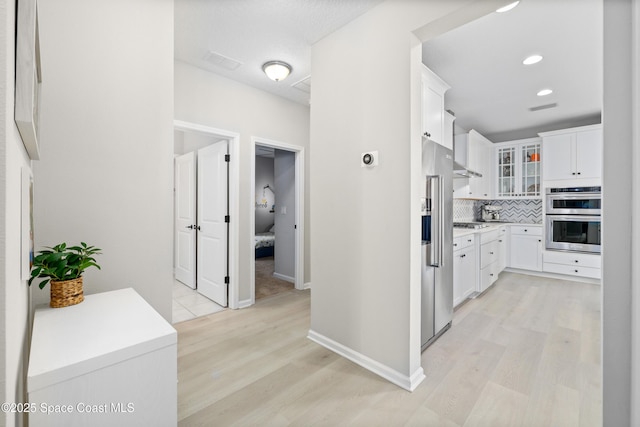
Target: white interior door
212,228
185,219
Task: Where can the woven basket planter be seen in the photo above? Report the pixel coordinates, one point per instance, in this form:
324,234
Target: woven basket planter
66,292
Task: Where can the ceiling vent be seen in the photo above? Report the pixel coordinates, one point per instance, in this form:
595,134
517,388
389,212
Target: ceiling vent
303,85
544,107
222,61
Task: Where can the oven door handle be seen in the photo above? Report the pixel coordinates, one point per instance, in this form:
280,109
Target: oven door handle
577,218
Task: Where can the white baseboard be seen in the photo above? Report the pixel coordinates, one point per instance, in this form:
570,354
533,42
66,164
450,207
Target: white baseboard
245,303
283,277
307,285
406,382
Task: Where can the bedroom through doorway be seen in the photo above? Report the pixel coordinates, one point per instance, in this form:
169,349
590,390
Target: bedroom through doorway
274,221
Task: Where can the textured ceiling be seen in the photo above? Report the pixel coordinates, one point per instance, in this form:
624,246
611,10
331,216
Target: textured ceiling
492,92
256,31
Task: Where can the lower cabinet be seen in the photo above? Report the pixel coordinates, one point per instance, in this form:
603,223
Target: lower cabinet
572,264
489,256
464,268
526,247
503,248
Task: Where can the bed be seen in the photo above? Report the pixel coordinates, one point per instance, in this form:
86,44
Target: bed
265,243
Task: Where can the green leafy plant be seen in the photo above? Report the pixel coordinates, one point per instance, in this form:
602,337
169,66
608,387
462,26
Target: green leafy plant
63,263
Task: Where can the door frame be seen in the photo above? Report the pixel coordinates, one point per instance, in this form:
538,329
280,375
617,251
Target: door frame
299,209
234,199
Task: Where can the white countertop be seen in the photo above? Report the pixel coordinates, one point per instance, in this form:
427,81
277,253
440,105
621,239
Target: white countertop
104,329
457,232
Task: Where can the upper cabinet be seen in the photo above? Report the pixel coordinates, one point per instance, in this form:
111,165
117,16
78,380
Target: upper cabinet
433,114
573,154
518,169
476,153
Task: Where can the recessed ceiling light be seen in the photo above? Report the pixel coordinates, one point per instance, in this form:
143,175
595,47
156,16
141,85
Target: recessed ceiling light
533,59
545,92
508,7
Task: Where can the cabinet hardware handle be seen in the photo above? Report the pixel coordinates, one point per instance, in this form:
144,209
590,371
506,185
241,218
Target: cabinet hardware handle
525,230
427,134
500,241
579,173
490,253
576,260
573,173
463,255
575,271
455,244
491,274
469,240
539,240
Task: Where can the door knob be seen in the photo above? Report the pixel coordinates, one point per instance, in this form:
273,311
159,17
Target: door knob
190,227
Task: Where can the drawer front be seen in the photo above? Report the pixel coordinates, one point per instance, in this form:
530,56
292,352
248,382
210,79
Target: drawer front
572,259
488,276
529,230
488,236
489,253
463,242
571,270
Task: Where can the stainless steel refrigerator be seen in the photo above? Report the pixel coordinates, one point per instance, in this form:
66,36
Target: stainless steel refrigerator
437,241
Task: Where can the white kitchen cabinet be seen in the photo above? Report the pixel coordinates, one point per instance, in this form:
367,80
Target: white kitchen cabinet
526,247
110,360
433,114
476,153
503,248
572,154
447,139
518,170
489,257
572,264
464,268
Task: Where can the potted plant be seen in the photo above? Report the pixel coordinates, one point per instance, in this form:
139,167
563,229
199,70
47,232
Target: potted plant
63,267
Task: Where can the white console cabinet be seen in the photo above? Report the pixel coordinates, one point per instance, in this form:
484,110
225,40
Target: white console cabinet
108,361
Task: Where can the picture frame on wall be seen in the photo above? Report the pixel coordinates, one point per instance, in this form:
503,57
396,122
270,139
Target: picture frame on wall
27,240
28,77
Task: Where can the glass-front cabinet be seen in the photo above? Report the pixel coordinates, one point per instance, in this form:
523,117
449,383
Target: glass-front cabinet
518,171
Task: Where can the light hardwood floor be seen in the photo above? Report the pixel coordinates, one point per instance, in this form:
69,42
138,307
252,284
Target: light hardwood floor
527,353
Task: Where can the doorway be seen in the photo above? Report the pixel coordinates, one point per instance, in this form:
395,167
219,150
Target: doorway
277,179
205,204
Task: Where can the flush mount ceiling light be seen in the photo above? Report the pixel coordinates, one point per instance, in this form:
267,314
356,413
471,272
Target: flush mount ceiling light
508,7
276,70
533,59
545,92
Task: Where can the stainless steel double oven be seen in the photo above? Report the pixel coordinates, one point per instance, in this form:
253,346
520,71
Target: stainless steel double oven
573,219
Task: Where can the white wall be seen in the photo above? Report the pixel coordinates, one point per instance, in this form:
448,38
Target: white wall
186,142
285,220
205,98
106,174
14,292
367,246
265,218
619,287
635,237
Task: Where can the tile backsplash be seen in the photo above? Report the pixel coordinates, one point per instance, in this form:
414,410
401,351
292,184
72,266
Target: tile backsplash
522,210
